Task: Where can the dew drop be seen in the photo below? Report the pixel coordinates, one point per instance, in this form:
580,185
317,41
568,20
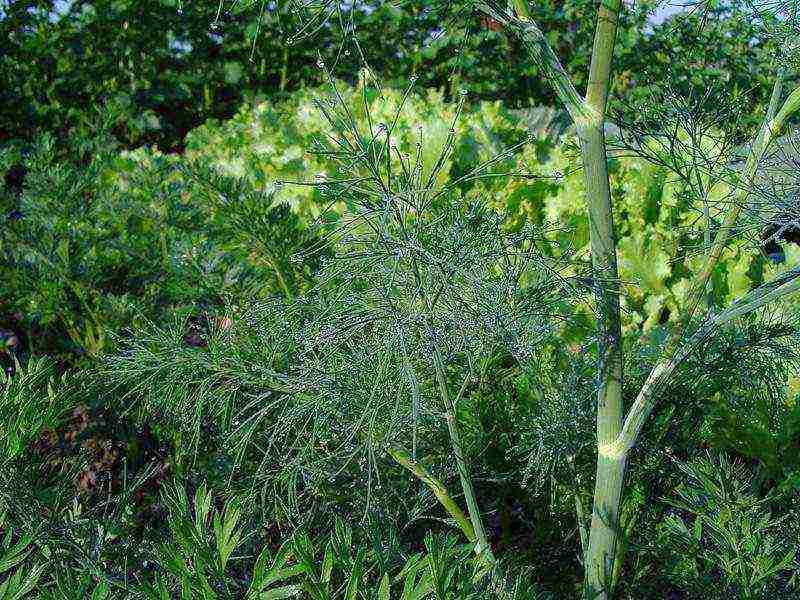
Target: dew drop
413,78
463,91
321,64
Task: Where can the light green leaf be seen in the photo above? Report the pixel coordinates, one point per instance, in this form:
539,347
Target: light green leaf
383,589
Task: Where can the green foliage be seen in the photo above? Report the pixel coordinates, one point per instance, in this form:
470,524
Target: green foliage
194,557
164,234
159,71
141,232
300,383
29,402
194,563
728,543
741,377
124,55
658,230
137,235
247,378
20,582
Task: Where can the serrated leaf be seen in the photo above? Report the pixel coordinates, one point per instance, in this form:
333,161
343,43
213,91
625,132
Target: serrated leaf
288,591
101,591
327,565
383,588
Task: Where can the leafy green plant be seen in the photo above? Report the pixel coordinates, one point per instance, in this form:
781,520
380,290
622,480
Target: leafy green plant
95,247
19,583
24,409
444,286
197,563
728,543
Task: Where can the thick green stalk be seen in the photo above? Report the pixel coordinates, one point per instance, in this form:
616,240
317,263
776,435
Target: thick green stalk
613,455
589,118
542,54
610,472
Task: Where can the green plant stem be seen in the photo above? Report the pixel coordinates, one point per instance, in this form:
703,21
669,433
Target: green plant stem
270,259
544,57
627,521
610,472
281,279
437,487
482,544
707,232
589,118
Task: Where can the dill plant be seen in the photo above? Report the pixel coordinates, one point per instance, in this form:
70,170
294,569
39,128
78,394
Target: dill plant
420,288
